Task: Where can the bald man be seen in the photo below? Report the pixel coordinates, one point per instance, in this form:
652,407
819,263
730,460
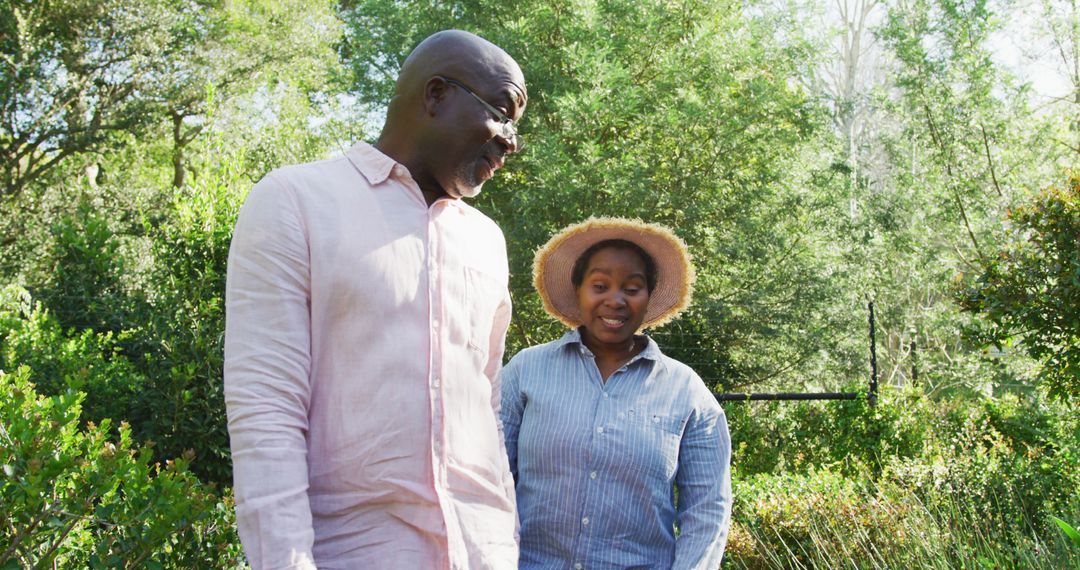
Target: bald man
366,309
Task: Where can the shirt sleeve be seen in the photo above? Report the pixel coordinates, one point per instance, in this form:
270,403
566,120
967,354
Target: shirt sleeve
496,348
267,382
704,483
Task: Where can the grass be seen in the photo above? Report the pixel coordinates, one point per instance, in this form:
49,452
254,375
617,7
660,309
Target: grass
889,529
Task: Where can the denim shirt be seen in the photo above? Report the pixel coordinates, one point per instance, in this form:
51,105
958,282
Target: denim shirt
595,463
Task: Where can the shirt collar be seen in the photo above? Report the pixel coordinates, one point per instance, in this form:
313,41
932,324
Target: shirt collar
372,163
377,168
573,337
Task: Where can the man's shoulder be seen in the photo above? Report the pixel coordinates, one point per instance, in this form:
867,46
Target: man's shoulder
315,173
477,217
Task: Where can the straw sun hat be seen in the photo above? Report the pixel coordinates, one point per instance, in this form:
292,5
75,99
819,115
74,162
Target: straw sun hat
554,263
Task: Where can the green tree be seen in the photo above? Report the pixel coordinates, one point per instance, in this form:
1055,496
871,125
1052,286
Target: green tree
959,143
685,113
71,77
1029,293
78,75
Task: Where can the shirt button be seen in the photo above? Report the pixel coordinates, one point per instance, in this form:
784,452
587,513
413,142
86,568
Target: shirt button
621,415
578,566
656,419
435,383
592,475
585,521
606,395
600,430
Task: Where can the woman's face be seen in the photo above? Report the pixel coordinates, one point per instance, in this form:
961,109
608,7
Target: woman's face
613,297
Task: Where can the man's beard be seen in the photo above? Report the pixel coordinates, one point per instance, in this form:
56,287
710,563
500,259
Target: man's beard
467,184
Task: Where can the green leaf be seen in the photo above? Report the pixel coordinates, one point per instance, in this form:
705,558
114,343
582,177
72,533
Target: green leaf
1069,531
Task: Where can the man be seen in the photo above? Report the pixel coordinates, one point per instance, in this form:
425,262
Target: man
367,306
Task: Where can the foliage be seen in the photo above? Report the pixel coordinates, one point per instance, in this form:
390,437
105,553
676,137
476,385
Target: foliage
941,484
61,360
146,350
78,75
75,497
1029,293
182,335
1068,530
71,77
820,520
697,114
685,114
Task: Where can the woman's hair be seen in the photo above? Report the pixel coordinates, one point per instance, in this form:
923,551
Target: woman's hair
577,276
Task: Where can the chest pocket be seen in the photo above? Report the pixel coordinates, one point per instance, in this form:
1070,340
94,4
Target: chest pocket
657,438
482,296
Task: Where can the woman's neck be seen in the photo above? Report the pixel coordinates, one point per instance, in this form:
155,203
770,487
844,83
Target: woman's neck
610,358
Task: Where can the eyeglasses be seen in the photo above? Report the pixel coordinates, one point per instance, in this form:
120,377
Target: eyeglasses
506,124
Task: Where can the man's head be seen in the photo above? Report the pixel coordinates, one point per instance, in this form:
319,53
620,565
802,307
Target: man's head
448,119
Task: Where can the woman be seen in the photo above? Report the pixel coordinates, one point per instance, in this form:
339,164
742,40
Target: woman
600,425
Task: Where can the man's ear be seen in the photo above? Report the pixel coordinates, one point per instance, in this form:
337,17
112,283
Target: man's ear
435,92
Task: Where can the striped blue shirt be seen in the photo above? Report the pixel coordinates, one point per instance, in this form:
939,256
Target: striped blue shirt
595,463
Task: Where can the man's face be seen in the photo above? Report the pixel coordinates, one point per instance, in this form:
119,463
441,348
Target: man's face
473,138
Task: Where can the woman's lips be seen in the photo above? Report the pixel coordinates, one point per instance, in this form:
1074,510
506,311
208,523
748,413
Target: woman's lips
612,323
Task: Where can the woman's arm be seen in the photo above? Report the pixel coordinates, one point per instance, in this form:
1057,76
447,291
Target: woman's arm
510,412
704,483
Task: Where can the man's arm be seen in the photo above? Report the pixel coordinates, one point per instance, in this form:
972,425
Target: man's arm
510,412
267,365
704,482
496,348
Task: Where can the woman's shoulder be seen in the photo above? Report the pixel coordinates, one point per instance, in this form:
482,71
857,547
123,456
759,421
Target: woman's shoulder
688,382
538,353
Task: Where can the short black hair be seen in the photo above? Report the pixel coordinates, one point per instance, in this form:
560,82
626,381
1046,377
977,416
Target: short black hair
577,275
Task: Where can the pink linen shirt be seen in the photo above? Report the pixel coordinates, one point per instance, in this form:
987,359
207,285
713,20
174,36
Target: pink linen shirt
364,336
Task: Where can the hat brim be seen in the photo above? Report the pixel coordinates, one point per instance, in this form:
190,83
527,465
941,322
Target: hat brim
554,263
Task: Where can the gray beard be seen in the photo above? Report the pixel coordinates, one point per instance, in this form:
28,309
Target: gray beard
472,186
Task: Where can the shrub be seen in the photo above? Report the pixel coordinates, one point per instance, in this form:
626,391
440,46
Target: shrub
1030,290
848,435
824,520
785,519
76,497
85,361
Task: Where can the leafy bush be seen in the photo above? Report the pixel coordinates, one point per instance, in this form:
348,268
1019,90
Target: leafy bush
182,334
85,361
782,517
1015,463
76,497
147,348
1029,293
831,484
849,435
85,284
823,520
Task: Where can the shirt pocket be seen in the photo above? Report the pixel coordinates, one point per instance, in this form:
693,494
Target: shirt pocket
656,439
483,293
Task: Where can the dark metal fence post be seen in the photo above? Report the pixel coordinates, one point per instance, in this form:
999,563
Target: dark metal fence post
914,363
872,396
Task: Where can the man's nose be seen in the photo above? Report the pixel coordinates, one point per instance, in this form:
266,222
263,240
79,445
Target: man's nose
509,143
